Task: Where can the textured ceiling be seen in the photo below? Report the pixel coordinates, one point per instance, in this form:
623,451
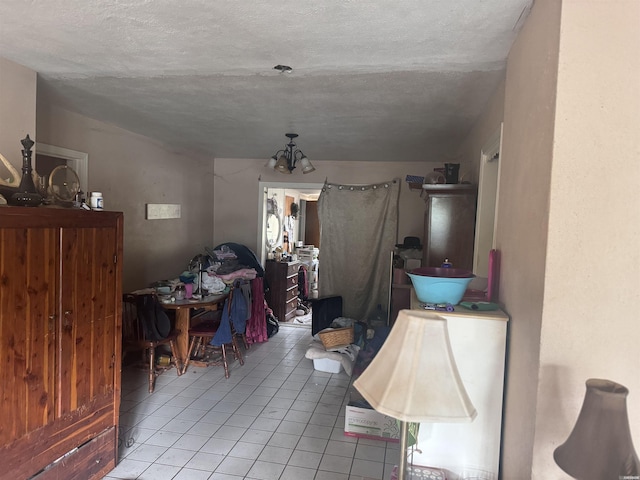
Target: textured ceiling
375,80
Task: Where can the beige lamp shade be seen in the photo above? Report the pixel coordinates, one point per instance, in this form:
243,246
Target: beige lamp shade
282,165
307,167
271,163
414,377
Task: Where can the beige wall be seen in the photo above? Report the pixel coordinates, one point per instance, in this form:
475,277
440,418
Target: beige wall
590,324
523,211
17,109
562,230
237,197
131,171
484,129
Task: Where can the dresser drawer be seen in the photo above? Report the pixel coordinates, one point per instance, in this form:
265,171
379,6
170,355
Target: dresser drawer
293,268
292,281
291,293
289,316
291,307
282,280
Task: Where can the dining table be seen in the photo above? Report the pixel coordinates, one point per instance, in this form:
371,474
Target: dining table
183,309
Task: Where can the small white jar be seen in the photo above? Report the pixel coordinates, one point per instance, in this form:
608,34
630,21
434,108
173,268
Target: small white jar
96,201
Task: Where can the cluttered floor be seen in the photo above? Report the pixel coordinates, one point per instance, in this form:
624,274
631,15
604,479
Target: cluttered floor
275,418
300,320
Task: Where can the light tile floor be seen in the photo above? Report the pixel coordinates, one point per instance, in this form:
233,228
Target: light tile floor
274,418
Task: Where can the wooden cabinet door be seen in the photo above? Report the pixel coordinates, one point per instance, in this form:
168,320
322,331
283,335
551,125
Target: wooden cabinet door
28,314
449,226
88,333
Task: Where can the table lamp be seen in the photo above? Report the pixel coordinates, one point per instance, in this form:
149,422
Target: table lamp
414,377
600,445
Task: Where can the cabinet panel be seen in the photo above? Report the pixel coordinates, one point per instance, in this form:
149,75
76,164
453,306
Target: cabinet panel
400,299
28,306
87,330
93,459
449,225
60,328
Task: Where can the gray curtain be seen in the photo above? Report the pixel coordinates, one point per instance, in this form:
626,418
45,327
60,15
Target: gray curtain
358,230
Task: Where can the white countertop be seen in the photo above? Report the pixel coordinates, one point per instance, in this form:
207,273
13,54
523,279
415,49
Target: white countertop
461,311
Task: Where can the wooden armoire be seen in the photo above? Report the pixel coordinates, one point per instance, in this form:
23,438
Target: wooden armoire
449,225
449,232
60,347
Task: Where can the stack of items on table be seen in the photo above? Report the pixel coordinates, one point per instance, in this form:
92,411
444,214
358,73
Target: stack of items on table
231,263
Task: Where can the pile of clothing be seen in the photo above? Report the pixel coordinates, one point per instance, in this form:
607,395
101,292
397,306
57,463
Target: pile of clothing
229,263
237,268
237,311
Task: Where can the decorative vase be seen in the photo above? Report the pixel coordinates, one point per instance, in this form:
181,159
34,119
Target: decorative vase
27,195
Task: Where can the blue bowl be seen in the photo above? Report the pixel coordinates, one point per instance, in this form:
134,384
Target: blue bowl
435,289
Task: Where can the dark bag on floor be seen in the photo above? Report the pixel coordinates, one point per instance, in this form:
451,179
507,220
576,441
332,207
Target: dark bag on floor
155,321
272,325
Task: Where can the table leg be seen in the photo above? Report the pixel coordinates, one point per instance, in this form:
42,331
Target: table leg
182,323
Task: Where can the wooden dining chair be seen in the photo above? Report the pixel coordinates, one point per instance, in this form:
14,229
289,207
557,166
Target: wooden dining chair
201,353
136,336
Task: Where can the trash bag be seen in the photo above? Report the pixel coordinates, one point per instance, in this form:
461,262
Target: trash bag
272,325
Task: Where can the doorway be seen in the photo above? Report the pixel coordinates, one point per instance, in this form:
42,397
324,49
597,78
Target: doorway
303,194
49,156
486,213
292,209
312,222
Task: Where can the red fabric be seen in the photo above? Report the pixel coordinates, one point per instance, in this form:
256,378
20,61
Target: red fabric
257,324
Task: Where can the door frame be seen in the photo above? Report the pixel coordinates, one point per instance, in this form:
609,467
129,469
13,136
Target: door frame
78,161
487,206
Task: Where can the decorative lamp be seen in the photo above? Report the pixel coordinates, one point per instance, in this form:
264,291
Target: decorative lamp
306,165
414,377
282,165
600,445
271,163
284,161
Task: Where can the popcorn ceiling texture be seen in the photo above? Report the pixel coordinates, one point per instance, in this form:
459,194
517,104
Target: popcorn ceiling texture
371,80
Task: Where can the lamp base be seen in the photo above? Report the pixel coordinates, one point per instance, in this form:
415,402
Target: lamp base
420,473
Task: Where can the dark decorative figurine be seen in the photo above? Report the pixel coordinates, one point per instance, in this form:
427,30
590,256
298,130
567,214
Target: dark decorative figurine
27,195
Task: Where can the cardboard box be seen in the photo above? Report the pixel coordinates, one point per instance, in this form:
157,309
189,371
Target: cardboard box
367,423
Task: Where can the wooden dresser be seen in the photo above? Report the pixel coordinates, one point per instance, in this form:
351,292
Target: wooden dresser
60,330
282,296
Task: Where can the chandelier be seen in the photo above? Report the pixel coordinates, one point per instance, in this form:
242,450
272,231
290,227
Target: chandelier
284,161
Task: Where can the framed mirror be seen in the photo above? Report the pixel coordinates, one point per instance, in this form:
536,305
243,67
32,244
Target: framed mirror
274,228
